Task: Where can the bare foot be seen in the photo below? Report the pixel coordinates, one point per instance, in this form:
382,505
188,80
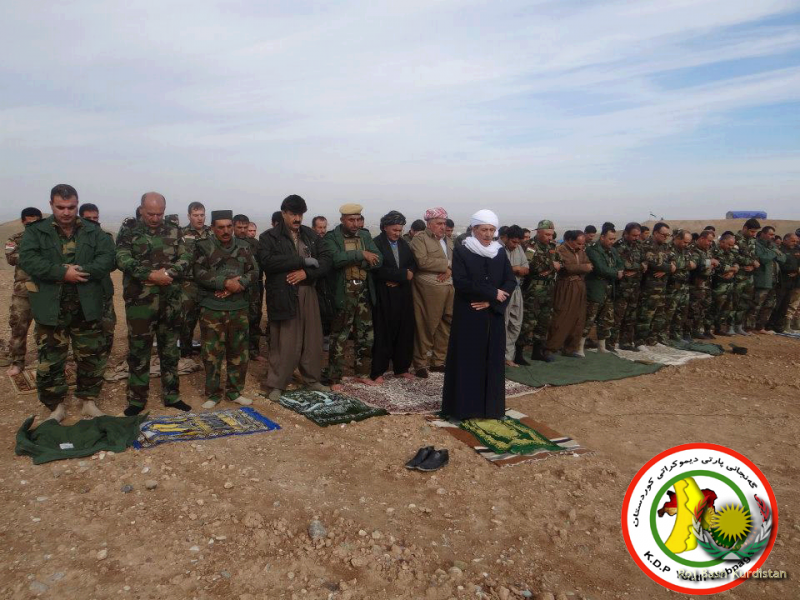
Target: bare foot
406,375
58,414
336,387
90,409
379,380
365,381
511,363
13,370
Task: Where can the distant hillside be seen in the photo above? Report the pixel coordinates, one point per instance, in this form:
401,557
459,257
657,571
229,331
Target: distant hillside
782,226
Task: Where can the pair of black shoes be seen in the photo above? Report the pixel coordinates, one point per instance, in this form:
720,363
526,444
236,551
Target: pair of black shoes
429,459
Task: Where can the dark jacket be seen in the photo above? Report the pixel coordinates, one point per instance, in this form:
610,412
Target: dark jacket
600,281
768,255
333,243
789,268
277,255
40,257
389,270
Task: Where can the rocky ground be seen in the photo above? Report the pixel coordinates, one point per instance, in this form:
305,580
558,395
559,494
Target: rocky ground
307,512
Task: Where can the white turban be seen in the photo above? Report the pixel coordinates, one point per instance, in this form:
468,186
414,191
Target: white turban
484,217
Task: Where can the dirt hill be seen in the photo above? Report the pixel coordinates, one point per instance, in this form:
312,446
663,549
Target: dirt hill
782,226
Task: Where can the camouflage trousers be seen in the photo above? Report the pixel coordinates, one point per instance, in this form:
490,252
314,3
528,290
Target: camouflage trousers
700,315
225,336
793,314
537,311
651,318
626,304
19,320
109,324
677,306
153,317
53,344
723,303
601,316
356,316
780,320
190,298
743,298
763,305
254,314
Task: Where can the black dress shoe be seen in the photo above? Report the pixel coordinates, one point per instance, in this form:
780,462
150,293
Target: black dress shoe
422,373
439,369
628,347
435,460
419,457
519,359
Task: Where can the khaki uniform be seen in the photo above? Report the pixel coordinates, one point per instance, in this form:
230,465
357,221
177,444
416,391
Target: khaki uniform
19,313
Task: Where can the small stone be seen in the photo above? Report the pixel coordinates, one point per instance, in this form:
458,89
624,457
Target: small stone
362,533
455,572
358,561
151,484
102,554
290,575
460,564
58,576
376,535
37,587
441,491
316,530
145,470
225,574
127,488
41,498
573,515
194,549
526,594
504,593
228,485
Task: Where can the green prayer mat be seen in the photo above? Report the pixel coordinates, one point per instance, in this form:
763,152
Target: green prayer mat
704,347
53,441
567,371
508,436
328,408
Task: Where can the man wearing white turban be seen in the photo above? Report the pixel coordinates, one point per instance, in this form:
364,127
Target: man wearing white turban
474,379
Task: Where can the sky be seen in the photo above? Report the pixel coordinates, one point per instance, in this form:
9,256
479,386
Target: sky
559,109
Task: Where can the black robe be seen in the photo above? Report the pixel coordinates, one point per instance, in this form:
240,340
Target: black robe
474,379
393,313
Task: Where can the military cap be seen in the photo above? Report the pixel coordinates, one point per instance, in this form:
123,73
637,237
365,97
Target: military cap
351,209
545,224
221,215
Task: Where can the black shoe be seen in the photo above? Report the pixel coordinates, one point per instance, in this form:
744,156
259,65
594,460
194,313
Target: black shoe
519,359
687,338
180,405
611,347
628,348
590,343
420,457
708,336
439,369
132,411
422,373
435,460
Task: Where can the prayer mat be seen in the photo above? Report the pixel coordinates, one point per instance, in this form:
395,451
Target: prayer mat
567,371
192,427
328,408
664,355
514,439
25,382
400,396
703,347
120,372
789,335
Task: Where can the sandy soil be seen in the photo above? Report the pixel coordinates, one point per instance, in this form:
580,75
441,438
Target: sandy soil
229,518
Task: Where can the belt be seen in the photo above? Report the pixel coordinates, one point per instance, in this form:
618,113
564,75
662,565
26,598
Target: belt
355,281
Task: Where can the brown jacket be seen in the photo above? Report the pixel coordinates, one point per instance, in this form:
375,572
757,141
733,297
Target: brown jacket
574,263
431,259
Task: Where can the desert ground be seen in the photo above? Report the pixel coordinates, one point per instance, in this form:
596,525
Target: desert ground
229,518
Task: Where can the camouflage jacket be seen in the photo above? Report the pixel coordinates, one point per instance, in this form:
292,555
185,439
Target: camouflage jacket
190,237
745,250
214,263
727,259
701,273
140,251
632,257
12,258
682,267
659,259
540,260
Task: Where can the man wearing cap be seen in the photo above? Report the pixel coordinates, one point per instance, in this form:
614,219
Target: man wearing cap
354,256
294,263
152,256
537,311
743,287
196,230
225,270
393,315
433,293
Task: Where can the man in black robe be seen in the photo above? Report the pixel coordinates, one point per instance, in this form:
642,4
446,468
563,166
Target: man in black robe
393,314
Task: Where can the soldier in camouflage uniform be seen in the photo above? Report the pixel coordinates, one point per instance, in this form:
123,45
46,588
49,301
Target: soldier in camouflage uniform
67,259
196,230
354,255
600,285
19,313
743,281
766,277
241,223
225,270
700,316
722,295
652,324
153,257
677,301
90,212
537,295
628,288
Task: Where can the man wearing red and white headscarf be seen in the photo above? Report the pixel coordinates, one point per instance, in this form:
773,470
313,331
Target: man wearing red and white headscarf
433,293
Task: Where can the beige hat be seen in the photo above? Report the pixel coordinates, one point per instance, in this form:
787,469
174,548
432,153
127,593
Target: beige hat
350,209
